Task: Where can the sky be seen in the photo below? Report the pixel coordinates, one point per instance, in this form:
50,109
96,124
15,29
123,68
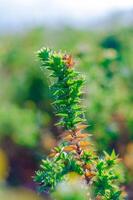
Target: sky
26,12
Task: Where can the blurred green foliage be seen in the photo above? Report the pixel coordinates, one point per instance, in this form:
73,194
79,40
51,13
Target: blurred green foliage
104,57
20,124
71,189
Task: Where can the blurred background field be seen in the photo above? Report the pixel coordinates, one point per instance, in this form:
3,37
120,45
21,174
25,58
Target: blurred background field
104,55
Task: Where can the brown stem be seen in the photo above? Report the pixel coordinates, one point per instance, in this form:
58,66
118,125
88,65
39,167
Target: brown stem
79,150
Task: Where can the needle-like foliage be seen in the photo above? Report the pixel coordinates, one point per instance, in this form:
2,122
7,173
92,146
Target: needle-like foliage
75,152
66,90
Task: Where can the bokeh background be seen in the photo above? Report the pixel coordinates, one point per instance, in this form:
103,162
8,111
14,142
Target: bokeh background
99,34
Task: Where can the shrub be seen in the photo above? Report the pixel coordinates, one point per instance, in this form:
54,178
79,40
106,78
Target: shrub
75,152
